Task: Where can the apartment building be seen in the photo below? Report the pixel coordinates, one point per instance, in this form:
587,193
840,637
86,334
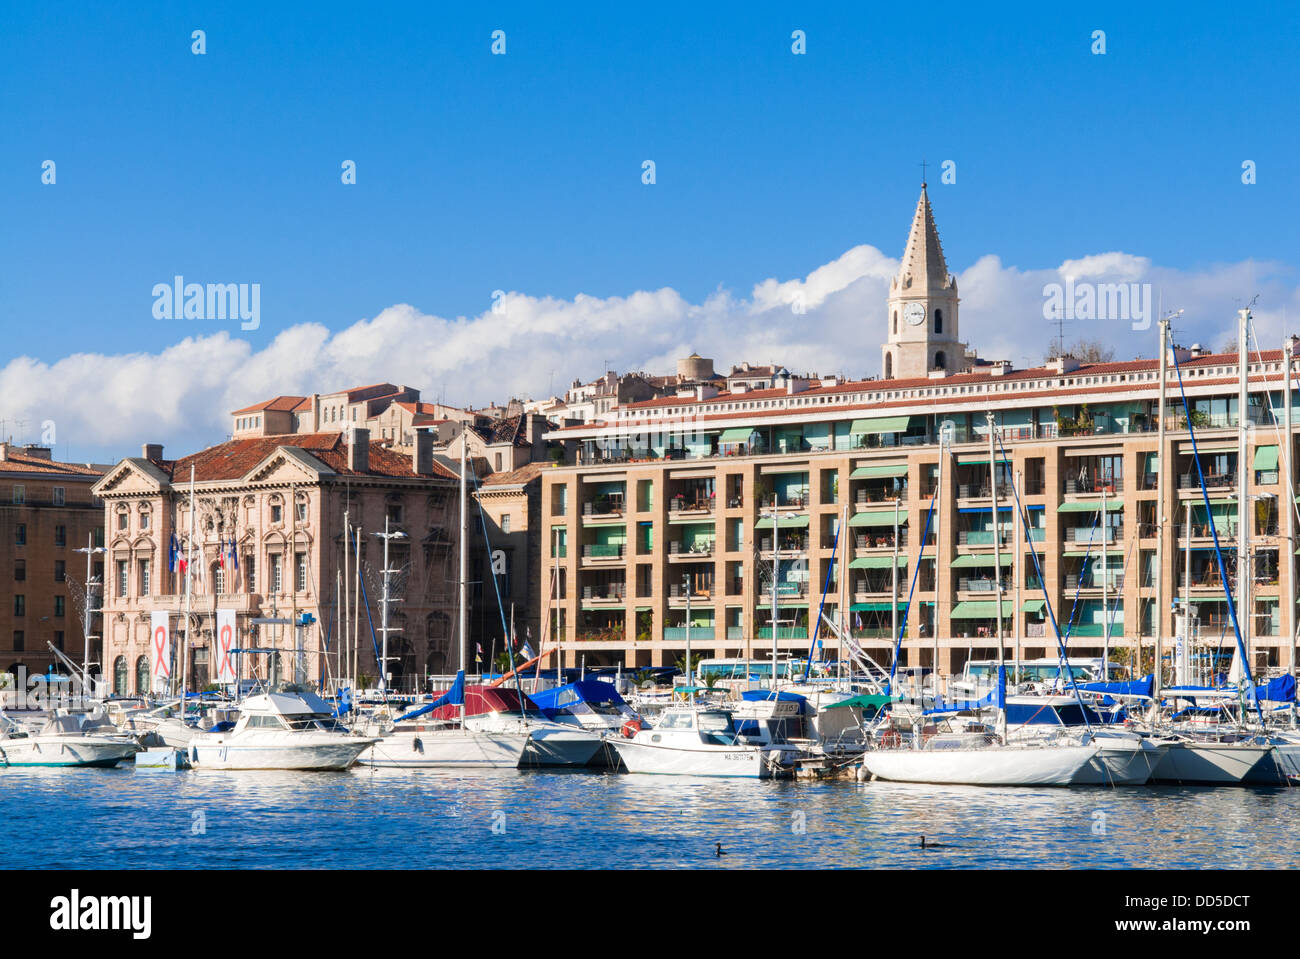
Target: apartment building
737,513
47,513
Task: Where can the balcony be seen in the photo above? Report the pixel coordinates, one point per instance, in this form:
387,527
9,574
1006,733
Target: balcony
789,546
700,549
1107,485
880,540
1093,581
1191,481
866,497
977,584
1093,536
982,537
673,634
603,552
984,491
606,593
784,502
603,507
1226,529
681,505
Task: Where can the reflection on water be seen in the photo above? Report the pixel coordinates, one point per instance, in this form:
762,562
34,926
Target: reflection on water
71,818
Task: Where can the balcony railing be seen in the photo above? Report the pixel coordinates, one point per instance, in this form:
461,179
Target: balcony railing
678,633
981,537
866,497
1226,528
980,585
681,504
1212,480
700,548
613,506
1099,485
1115,581
604,551
1088,535
984,491
783,632
604,593
879,540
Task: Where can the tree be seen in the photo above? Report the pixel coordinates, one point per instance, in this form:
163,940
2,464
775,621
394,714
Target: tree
1087,350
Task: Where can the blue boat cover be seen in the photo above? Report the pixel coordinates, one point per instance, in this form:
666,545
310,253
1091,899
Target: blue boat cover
1139,687
1280,690
763,695
452,697
586,691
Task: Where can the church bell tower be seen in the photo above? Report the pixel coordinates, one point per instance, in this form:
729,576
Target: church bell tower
922,316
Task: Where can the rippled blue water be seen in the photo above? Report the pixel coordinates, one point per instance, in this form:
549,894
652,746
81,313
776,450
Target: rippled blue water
68,818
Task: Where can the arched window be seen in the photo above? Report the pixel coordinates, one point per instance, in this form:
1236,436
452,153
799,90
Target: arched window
119,676
940,360
142,682
895,322
938,321
889,366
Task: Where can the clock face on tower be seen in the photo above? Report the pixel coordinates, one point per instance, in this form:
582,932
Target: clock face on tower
914,314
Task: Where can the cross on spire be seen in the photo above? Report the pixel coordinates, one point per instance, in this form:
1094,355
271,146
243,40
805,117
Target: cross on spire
923,166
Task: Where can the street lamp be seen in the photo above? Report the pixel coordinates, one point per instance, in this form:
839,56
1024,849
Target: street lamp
384,600
90,549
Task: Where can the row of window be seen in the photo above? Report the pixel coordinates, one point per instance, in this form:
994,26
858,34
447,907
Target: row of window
220,575
20,605
20,535
20,570
20,640
19,495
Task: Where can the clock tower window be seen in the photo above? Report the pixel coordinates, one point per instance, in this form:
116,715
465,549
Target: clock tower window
938,321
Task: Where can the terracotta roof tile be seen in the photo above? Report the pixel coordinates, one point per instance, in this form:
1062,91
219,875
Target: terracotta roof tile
233,459
281,404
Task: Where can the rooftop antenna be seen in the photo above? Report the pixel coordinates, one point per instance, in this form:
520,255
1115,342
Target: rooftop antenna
1060,331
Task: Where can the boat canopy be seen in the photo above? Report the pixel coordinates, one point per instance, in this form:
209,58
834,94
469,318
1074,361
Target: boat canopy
452,697
481,700
1140,687
864,700
765,695
587,691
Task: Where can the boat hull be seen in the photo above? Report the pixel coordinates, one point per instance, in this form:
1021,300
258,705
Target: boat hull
1121,763
338,754
558,748
1217,764
444,749
996,766
71,751
749,762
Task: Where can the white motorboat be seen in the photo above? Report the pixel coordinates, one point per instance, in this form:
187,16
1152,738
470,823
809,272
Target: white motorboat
433,736
61,740
283,730
701,741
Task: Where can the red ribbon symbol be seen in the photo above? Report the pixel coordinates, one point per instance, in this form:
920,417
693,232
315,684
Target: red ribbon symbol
227,668
159,647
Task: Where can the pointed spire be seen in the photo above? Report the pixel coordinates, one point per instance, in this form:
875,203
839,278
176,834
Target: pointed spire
923,256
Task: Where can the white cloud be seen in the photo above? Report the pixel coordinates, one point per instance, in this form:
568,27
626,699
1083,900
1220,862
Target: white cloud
105,406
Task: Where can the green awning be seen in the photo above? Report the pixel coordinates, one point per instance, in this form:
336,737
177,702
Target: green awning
969,560
864,700
879,424
875,607
784,522
871,472
972,461
1265,458
877,519
1209,599
737,434
1034,606
982,609
876,562
1091,506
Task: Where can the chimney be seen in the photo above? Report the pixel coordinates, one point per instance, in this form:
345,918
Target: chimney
315,412
422,458
151,451
359,449
4,452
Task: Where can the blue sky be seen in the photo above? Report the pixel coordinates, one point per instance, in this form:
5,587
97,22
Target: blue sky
523,172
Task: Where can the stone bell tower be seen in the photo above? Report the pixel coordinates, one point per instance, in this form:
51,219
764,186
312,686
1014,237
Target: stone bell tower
922,317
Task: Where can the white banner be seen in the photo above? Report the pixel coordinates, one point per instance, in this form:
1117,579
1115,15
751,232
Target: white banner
160,650
225,659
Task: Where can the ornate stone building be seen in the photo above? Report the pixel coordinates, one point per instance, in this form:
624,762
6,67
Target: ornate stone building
269,542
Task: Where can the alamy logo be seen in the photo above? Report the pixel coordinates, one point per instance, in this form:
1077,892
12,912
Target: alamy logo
213,301
1098,301
103,913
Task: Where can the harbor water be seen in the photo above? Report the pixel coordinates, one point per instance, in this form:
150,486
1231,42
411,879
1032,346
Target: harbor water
204,819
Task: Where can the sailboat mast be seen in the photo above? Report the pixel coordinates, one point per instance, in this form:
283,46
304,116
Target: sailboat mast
1245,571
997,569
462,613
1161,469
938,564
1288,353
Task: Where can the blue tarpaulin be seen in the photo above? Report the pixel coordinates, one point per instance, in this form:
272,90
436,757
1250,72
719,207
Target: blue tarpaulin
1139,687
1280,690
452,697
762,695
584,691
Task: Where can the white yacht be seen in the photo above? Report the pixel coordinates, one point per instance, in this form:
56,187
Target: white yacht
701,741
62,740
433,737
281,730
978,759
